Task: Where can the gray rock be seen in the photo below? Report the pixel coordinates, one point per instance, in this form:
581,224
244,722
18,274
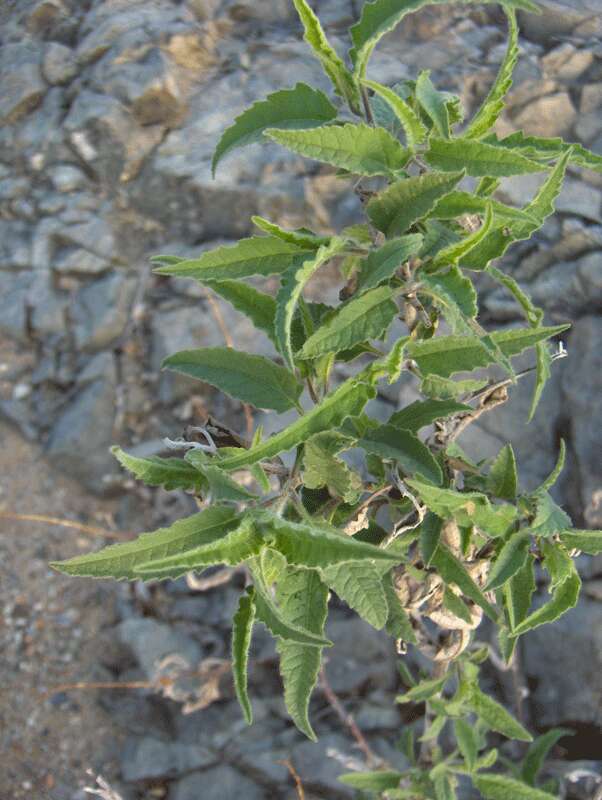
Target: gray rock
149,86
553,115
147,758
219,783
13,304
361,656
80,438
582,403
67,178
15,249
591,98
59,65
151,641
204,9
564,660
318,770
22,85
102,311
560,18
566,62
580,199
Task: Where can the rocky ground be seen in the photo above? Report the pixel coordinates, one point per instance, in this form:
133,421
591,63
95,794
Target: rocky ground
109,113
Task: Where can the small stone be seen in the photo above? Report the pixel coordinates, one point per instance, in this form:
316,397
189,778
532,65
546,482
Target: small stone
566,62
204,9
218,783
148,758
564,662
580,199
591,99
151,641
102,311
59,65
318,770
22,85
553,115
588,126
558,18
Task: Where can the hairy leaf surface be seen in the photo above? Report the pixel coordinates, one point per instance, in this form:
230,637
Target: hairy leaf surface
303,598
171,473
355,147
564,598
300,107
496,716
242,628
478,159
499,787
425,412
252,379
120,560
380,265
258,255
365,317
258,306
407,201
291,291
405,448
360,585
414,130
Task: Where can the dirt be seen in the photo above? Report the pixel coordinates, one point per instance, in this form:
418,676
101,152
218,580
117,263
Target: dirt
49,632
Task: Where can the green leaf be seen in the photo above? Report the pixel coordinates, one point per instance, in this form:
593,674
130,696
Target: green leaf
493,105
398,622
467,742
538,751
510,560
587,541
549,517
498,787
258,306
277,620
453,571
502,480
365,317
445,389
564,598
414,130
232,549
555,474
382,264
321,468
467,508
455,294
433,102
359,584
334,67
303,599
425,412
300,107
423,690
316,544
221,485
478,159
500,238
242,629
549,149
430,534
381,16
519,591
557,563
258,255
346,401
355,147
120,560
291,291
378,781
409,200
542,375
455,252
495,715
457,606
404,447
448,355
457,204
533,314
252,379
171,473
300,238
437,236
